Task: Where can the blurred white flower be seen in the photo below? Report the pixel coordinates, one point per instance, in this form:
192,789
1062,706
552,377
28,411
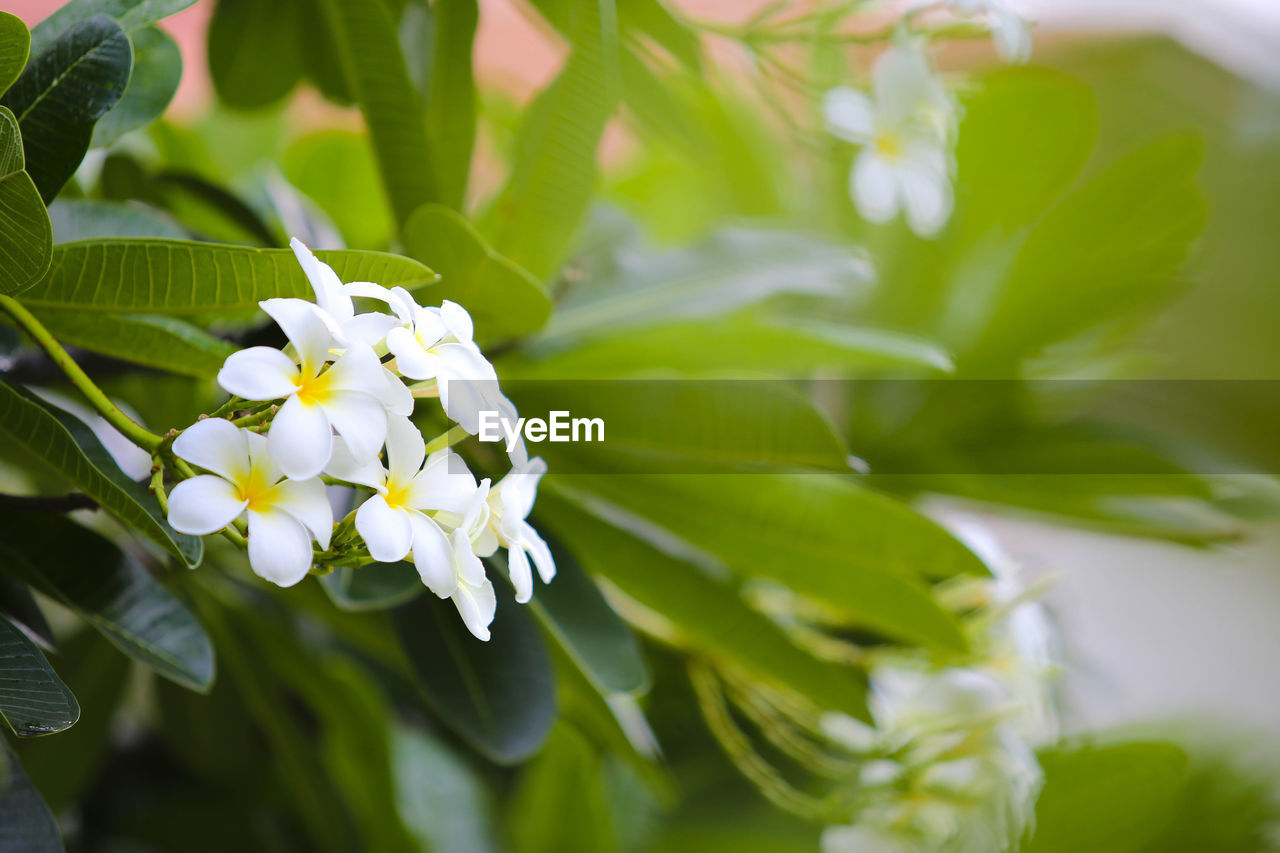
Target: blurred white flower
510,503
284,515
1010,31
862,839
351,396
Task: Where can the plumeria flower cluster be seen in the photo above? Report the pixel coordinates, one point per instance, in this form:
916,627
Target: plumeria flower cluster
905,125
950,762
324,409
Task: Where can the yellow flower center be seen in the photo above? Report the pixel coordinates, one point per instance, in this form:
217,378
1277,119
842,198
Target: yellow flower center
397,494
312,389
888,145
256,490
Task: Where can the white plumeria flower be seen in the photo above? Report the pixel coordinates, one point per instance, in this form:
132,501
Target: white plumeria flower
471,538
903,129
334,305
284,515
352,396
1010,31
436,343
510,503
394,522
862,839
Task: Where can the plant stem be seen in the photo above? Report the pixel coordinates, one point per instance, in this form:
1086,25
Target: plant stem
126,425
446,439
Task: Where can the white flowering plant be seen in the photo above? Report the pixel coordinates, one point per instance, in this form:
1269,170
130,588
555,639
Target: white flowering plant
808,269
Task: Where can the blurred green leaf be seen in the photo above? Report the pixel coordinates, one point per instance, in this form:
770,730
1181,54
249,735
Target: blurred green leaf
707,615
1108,799
743,342
566,778
88,219
857,552
19,605
157,69
441,800
165,343
497,695
131,14
575,613
451,102
503,299
33,700
179,277
108,589
536,217
62,767
66,445
377,586
652,19
255,50
15,42
364,35
351,195
63,92
26,236
178,189
26,824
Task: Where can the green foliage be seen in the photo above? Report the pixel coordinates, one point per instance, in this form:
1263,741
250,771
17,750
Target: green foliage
15,41
108,589
63,92
374,587
26,236
66,445
565,778
87,219
177,277
25,821
157,68
165,343
352,195
33,700
255,57
451,98
131,14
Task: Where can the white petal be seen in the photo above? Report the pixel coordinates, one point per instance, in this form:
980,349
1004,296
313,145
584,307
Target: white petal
216,445
402,303
324,281
519,488
360,420
406,449
397,398
204,505
384,529
541,554
411,359
904,83
433,556
1011,35
345,467
259,373
465,562
279,547
429,327
874,188
468,385
476,605
304,328
457,321
307,502
850,114
300,439
521,574
261,462
443,484
369,329
357,369
926,194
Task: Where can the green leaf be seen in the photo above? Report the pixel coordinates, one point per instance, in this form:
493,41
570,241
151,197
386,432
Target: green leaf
33,700
498,695
18,604
89,219
725,425
255,50
742,343
651,18
859,553
15,42
351,195
451,101
180,277
64,90
165,343
707,615
26,824
157,70
1109,799
109,590
735,268
131,14
442,801
70,448
600,644
503,299
377,586
536,217
63,767
364,33
26,236
566,778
